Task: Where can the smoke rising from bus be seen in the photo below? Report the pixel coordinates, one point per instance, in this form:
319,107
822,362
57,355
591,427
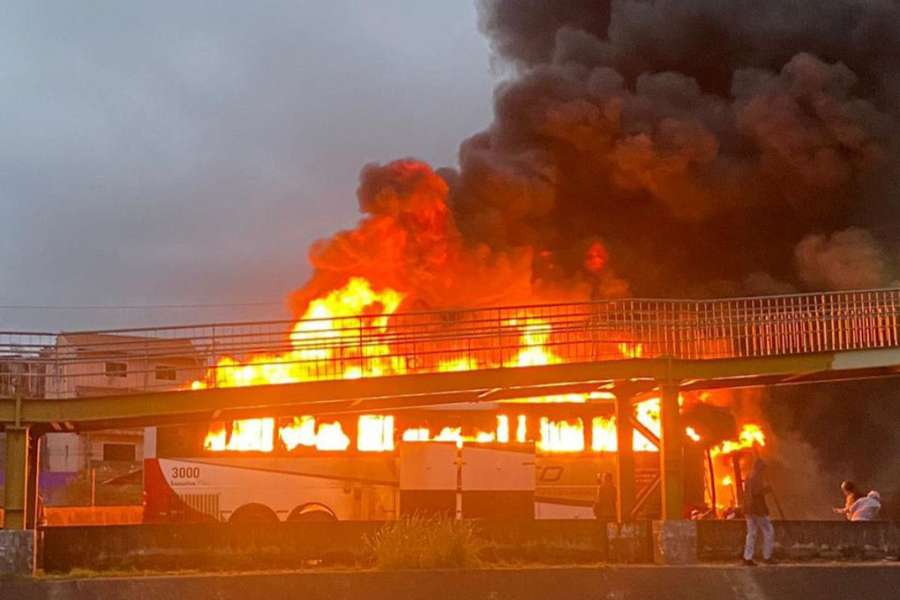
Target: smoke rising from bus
705,148
656,148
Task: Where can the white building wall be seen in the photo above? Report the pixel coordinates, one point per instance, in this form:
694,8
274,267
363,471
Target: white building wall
65,453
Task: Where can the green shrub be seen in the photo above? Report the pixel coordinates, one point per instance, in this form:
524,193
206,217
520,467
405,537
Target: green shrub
419,542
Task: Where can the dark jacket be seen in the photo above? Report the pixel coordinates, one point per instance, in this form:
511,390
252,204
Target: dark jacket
755,490
605,505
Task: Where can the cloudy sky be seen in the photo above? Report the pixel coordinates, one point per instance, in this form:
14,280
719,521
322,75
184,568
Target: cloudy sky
188,152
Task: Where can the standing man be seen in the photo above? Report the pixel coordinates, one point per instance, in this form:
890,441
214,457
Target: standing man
605,505
757,514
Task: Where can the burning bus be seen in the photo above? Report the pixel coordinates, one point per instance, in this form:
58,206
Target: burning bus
526,457
505,460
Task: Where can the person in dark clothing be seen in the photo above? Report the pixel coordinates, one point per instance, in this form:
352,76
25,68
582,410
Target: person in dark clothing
756,512
605,504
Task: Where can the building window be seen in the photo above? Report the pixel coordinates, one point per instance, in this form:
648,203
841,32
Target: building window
116,369
119,452
165,372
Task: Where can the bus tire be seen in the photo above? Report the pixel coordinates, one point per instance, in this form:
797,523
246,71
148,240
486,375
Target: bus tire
254,513
312,513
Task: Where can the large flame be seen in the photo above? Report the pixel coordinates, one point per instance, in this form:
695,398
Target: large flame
751,435
313,337
336,315
750,438
245,435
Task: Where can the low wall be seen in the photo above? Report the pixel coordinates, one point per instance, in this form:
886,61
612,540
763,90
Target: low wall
803,540
217,547
16,552
70,516
843,582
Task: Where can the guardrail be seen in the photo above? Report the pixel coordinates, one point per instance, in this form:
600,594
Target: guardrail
226,354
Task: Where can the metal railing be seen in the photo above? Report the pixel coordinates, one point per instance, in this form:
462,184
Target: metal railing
177,358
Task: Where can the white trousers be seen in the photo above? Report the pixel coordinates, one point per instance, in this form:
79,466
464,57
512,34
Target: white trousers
756,524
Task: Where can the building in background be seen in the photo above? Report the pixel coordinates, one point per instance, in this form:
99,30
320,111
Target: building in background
98,364
22,375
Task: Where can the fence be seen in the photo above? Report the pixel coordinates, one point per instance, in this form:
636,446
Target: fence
235,354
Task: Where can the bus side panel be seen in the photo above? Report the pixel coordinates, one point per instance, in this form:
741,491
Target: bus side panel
567,484
497,483
217,487
161,503
428,478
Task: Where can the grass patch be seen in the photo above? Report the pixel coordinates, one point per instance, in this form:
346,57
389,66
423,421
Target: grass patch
419,542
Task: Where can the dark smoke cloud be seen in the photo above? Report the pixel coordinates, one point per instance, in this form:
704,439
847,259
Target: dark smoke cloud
700,141
702,148
715,148
849,259
668,148
663,148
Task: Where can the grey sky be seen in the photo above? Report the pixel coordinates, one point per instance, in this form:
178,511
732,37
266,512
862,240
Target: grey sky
188,152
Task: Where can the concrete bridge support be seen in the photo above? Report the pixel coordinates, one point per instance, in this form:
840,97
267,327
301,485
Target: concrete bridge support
17,538
18,448
675,539
671,453
624,456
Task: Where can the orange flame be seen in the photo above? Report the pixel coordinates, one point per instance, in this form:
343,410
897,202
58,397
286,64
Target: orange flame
604,435
561,436
246,435
692,433
375,433
533,341
321,327
455,434
631,350
334,316
751,435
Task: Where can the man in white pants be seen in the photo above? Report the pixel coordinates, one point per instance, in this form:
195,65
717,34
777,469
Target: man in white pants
757,514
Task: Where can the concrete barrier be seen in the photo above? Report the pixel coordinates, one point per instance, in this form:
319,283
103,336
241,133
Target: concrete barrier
16,552
675,542
217,546
867,582
630,543
804,540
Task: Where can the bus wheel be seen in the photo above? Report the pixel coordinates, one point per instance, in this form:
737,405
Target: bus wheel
253,513
311,513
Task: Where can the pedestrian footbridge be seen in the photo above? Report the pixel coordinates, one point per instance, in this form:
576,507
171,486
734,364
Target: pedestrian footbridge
74,381
83,380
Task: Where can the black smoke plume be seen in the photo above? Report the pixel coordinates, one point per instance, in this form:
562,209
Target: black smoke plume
713,147
668,148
